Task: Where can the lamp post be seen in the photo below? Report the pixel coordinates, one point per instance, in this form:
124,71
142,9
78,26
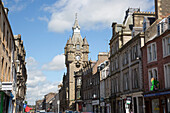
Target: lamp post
58,102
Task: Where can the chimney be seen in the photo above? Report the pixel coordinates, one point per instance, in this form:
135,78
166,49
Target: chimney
162,8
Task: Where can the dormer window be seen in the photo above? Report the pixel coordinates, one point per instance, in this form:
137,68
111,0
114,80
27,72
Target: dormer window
78,46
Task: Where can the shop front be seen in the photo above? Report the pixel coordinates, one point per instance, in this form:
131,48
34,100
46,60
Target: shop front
87,106
102,107
157,102
133,102
108,108
96,106
4,102
119,105
6,98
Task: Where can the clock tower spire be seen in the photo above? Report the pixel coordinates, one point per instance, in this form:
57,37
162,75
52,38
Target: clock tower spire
76,54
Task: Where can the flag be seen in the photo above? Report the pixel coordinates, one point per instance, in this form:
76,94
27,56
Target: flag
27,109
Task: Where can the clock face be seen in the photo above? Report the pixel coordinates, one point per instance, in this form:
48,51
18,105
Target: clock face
78,57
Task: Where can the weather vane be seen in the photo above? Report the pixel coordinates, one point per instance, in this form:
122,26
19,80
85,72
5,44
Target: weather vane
76,16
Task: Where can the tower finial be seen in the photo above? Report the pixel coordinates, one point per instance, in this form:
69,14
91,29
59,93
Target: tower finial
76,16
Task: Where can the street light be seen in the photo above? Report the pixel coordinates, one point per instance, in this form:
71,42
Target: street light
58,102
94,96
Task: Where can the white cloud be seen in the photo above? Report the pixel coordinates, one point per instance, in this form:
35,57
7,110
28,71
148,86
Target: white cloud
17,5
57,63
37,83
43,19
31,62
92,14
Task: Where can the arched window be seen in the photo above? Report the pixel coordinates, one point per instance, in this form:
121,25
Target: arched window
78,46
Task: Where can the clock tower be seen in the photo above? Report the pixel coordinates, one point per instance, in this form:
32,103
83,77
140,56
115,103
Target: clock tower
76,53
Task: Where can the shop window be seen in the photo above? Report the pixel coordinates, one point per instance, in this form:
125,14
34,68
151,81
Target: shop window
155,106
140,102
168,105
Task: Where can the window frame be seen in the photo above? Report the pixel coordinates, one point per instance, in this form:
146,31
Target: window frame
165,43
166,73
151,58
149,78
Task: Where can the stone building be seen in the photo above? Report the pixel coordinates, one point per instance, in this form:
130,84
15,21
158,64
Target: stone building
76,53
38,105
47,102
63,94
125,62
7,67
21,72
156,61
105,86
56,103
102,57
87,86
78,90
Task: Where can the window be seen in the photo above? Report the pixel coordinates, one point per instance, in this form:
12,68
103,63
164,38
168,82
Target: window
166,46
153,73
79,81
168,105
134,52
151,52
144,25
135,77
117,85
125,58
7,39
167,75
9,78
112,49
2,67
126,81
114,85
117,45
107,72
5,75
155,106
117,65
78,47
10,45
112,82
4,31
158,29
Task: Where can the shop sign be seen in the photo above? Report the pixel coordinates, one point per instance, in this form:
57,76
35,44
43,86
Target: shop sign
95,102
6,86
102,104
128,101
102,99
157,94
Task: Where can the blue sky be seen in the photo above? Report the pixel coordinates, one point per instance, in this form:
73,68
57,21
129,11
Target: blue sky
45,26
